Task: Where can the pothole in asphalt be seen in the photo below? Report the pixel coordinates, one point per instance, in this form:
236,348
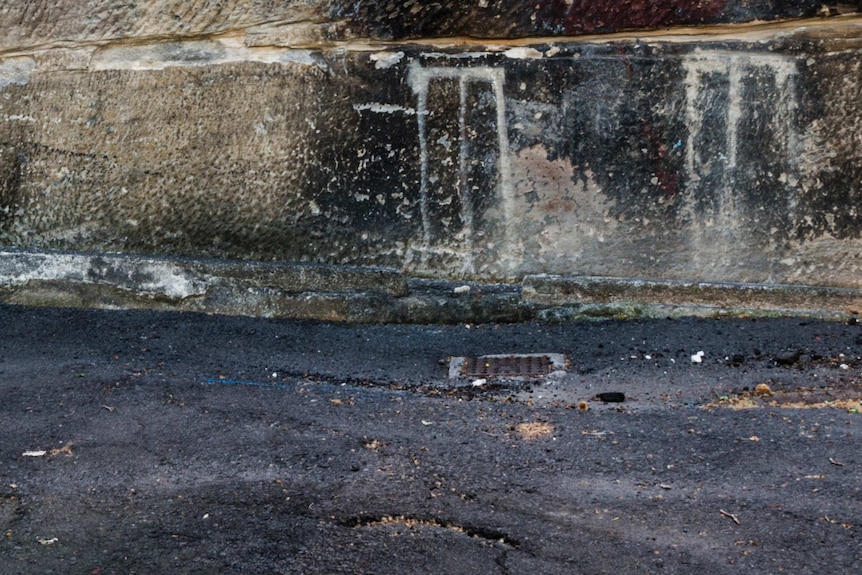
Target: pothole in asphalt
525,365
415,523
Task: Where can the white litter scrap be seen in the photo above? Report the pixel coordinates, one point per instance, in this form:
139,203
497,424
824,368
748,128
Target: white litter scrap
35,453
698,357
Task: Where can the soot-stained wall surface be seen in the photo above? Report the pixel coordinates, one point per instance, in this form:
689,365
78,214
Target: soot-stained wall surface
516,18
720,160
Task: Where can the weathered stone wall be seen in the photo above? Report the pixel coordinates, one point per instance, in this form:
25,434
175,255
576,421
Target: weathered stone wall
40,23
288,131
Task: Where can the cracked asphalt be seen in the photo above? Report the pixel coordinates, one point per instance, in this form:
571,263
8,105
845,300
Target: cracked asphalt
153,442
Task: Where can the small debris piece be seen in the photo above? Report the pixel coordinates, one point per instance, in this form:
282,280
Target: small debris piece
833,462
479,382
35,453
50,541
535,430
730,515
698,357
108,407
65,450
665,486
583,406
788,358
611,397
426,422
753,438
762,390
462,289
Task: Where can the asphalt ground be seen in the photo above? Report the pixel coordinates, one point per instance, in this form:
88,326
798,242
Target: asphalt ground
154,442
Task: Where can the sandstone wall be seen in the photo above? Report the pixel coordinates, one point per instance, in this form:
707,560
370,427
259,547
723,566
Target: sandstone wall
380,134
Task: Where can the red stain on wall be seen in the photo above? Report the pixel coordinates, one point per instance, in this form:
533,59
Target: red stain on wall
585,16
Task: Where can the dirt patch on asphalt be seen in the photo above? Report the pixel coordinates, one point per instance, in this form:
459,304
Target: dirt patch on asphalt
535,430
846,396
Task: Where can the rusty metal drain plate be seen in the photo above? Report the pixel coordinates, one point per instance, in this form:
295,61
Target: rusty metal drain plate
515,365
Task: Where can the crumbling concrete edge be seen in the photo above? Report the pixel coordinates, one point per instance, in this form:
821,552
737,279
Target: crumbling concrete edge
587,297
358,294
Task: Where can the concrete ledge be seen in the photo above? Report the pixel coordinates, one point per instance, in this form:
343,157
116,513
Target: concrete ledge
215,286
626,297
263,289
382,295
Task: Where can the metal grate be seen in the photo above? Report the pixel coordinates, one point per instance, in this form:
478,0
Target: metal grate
508,365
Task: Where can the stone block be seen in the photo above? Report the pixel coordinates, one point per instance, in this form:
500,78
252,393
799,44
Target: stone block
55,23
731,157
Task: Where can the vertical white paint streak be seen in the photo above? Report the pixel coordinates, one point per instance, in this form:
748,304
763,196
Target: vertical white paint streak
463,180
789,91
735,66
504,166
734,108
745,75
785,87
693,119
420,79
419,82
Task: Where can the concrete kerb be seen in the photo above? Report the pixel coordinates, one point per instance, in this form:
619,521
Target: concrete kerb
382,295
602,297
100,280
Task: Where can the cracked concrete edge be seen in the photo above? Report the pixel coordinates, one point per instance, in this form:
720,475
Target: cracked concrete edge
382,295
104,280
600,297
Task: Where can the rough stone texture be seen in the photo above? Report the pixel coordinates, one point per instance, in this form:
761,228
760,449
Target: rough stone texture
516,18
194,129
36,23
41,23
717,162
